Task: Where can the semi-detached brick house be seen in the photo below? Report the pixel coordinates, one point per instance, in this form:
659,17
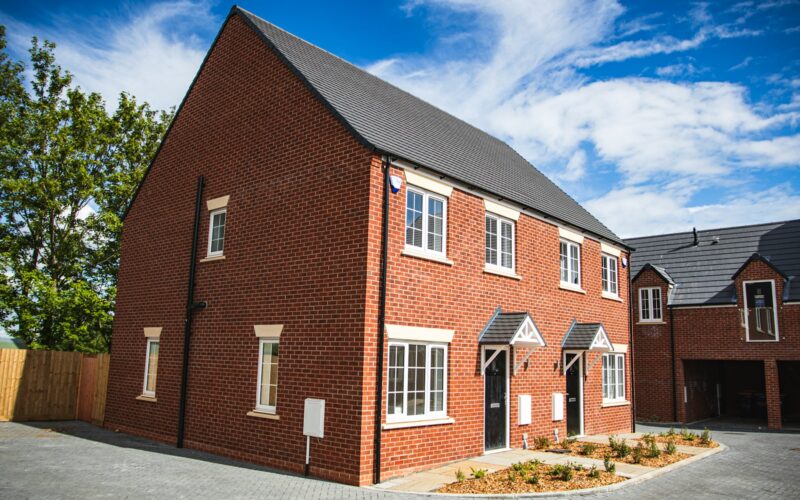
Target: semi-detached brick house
717,324
496,281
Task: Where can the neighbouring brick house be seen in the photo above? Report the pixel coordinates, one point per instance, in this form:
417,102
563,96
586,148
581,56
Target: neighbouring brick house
717,324
496,281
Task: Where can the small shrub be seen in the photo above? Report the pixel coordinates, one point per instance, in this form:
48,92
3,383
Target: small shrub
562,472
670,448
588,449
519,466
620,448
541,442
478,474
705,437
512,476
648,438
652,450
610,466
688,435
671,432
594,473
460,475
638,453
533,478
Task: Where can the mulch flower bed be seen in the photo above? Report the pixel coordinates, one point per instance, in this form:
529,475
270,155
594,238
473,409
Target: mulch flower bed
687,438
532,477
600,451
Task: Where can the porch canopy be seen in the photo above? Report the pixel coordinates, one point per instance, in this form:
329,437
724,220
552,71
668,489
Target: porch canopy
515,329
585,338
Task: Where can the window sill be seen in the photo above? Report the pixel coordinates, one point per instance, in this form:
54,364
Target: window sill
611,296
261,414
571,288
651,322
611,404
418,423
419,254
213,258
151,399
502,272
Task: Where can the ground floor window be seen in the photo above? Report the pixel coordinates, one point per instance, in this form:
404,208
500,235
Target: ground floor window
151,368
417,381
613,377
267,375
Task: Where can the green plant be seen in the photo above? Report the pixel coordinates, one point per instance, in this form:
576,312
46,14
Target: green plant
588,449
671,432
533,478
541,442
638,453
688,435
648,438
593,472
670,448
512,476
705,437
653,450
460,475
610,466
479,473
620,448
564,472
519,466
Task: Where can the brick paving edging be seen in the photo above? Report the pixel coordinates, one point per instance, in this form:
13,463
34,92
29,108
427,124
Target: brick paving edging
582,492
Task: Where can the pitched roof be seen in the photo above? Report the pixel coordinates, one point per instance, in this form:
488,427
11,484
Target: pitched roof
703,273
392,121
658,270
502,327
583,335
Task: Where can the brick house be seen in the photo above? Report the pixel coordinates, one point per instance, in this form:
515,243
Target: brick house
717,324
307,230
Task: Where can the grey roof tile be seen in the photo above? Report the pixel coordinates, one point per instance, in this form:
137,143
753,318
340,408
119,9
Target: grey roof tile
501,328
395,122
703,273
581,335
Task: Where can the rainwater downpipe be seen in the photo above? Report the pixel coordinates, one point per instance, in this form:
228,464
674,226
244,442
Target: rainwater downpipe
674,384
381,319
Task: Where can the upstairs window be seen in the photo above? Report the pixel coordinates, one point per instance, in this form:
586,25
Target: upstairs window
425,222
650,305
417,381
760,313
216,233
570,263
610,283
499,242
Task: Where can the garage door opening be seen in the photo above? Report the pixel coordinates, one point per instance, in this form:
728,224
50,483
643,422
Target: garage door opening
733,390
789,380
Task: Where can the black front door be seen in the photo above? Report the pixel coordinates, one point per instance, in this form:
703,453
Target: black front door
573,396
495,402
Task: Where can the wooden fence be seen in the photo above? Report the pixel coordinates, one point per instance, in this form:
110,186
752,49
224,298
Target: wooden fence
50,385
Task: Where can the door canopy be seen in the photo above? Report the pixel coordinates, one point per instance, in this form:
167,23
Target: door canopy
587,337
511,329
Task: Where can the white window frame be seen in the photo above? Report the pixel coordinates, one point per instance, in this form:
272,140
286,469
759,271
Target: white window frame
145,392
606,266
617,390
774,311
211,231
426,196
648,291
570,270
501,220
427,414
266,408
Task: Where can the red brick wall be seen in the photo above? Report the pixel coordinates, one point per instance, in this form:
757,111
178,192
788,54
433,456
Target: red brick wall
462,297
710,333
295,254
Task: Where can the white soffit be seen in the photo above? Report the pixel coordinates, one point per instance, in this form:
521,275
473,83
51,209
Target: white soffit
218,203
268,331
428,183
610,250
570,235
152,332
501,210
400,332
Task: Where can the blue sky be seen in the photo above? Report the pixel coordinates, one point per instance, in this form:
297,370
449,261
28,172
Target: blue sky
657,116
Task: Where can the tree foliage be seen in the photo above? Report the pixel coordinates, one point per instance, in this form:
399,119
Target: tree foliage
68,168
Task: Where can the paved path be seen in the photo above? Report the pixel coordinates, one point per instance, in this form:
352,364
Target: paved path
77,460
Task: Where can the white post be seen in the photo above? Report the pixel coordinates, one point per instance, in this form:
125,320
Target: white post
308,452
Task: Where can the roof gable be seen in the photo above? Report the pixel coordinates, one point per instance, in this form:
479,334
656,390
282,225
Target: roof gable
392,121
513,329
660,271
758,258
587,337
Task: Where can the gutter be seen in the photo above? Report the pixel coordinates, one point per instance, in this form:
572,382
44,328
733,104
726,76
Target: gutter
376,462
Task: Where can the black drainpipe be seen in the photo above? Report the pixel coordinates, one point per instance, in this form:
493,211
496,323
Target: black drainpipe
381,321
674,385
190,307
632,351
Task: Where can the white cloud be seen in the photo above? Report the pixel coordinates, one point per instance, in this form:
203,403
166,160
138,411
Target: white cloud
677,70
530,87
147,53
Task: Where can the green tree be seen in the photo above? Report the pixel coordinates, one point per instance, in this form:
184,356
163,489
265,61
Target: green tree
68,169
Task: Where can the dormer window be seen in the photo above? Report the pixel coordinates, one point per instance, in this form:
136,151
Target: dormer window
760,313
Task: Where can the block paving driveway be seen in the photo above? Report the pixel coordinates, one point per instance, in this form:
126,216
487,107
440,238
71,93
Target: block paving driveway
77,460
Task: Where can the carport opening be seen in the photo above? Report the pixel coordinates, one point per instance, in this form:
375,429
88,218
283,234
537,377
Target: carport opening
732,390
789,380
